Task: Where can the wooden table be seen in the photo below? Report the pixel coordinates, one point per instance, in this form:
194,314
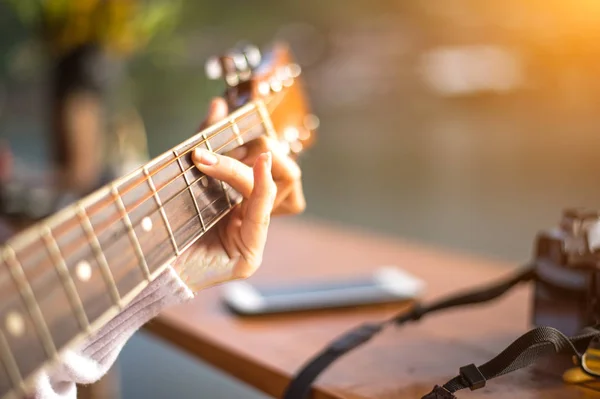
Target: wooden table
400,362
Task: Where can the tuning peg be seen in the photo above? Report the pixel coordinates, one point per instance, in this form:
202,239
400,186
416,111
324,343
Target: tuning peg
241,65
252,55
227,67
240,62
213,68
276,85
311,122
264,88
294,70
236,66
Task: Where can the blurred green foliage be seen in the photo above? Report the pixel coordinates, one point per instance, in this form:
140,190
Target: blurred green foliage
119,26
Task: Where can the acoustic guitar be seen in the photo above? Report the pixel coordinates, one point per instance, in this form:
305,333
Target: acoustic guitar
64,277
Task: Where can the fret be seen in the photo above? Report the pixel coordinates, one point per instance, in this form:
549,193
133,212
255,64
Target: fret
155,240
83,266
165,178
209,135
187,182
251,125
192,173
265,119
168,180
138,198
17,326
241,127
189,227
148,225
222,140
33,308
161,209
223,187
215,210
77,267
52,297
203,188
100,258
65,277
206,143
134,239
117,248
210,199
236,132
10,369
183,217
214,130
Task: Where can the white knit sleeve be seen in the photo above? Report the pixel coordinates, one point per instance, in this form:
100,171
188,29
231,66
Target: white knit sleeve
88,362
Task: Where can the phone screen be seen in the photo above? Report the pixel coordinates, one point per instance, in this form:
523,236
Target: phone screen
313,288
382,286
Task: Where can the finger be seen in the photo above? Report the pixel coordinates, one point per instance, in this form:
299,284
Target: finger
284,168
221,167
256,220
294,203
286,173
238,153
217,110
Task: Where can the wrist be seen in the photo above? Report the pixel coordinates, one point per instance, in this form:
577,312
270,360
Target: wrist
205,267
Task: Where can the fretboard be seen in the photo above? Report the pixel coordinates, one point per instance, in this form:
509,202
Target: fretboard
65,277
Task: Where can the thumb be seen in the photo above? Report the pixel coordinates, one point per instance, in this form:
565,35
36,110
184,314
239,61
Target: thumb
217,110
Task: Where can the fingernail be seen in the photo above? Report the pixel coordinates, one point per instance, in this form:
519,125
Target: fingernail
204,157
268,160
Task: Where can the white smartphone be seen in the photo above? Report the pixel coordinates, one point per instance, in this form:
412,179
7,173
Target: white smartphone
384,285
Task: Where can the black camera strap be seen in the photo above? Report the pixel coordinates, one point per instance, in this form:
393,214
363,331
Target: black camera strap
523,352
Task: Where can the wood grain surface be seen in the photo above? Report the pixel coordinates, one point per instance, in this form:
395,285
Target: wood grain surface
405,362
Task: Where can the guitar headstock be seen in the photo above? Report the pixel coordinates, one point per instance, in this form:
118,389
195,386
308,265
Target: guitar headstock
275,78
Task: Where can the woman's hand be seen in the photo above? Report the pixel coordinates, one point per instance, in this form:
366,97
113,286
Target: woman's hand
286,172
269,182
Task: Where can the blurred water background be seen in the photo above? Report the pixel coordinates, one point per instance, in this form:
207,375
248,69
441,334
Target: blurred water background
462,124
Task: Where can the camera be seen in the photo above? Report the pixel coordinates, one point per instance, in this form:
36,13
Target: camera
567,263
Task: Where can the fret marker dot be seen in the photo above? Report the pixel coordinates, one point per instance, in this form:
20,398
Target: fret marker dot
147,224
83,271
15,325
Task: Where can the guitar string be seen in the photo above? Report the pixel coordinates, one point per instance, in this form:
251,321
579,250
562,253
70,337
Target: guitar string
203,141
183,225
171,180
270,101
184,171
164,203
180,156
175,195
146,179
279,96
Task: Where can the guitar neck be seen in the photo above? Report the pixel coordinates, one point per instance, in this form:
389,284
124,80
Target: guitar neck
65,277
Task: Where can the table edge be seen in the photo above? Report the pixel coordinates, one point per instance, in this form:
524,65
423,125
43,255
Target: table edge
222,358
